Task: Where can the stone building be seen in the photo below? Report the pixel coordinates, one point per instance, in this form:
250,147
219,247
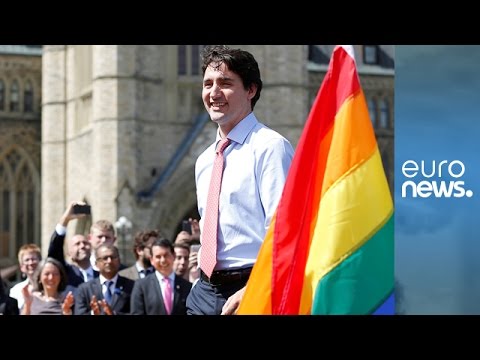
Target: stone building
122,125
20,136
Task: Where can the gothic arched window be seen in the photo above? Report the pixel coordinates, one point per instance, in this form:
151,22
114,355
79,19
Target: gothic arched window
6,184
384,114
25,206
14,96
2,95
189,60
19,201
28,97
372,110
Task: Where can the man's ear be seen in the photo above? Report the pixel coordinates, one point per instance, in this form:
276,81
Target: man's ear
252,91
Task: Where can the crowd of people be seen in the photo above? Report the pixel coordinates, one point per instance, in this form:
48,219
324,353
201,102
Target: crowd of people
239,180
91,279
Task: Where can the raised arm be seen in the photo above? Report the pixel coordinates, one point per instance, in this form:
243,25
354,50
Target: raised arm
55,249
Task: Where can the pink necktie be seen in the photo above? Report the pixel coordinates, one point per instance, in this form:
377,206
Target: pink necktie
208,257
167,296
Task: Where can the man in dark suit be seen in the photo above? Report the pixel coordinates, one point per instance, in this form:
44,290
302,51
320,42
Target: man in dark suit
8,305
79,249
141,249
110,292
163,292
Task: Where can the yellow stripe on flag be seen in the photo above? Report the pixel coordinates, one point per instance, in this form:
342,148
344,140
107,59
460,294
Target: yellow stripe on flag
350,212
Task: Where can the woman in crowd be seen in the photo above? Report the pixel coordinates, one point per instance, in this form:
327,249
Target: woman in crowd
48,294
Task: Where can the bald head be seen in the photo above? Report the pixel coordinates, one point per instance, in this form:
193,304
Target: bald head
79,249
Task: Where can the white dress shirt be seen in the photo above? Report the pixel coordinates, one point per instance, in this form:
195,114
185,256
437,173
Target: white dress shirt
256,166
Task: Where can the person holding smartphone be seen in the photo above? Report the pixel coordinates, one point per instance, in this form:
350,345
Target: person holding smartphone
79,247
190,233
253,162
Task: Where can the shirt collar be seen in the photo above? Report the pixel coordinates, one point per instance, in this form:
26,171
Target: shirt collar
88,270
160,276
103,279
240,132
139,268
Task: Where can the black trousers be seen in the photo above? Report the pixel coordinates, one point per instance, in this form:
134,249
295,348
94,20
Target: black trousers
207,299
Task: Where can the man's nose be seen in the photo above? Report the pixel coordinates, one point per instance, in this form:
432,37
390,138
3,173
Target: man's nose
215,91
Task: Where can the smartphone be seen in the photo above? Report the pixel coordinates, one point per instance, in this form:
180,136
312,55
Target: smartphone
194,248
82,209
186,226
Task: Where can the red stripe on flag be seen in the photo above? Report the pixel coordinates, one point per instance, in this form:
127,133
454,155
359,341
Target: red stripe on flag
299,204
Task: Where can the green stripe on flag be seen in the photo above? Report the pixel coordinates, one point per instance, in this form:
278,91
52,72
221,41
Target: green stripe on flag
361,282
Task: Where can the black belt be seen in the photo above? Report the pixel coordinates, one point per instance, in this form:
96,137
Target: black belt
224,277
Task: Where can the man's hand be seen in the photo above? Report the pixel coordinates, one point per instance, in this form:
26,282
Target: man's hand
106,308
27,292
183,237
69,215
94,305
195,229
231,306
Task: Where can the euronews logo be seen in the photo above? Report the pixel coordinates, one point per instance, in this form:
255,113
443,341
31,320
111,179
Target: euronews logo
435,185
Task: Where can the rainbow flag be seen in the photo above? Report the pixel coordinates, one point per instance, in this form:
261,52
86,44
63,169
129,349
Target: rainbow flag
329,247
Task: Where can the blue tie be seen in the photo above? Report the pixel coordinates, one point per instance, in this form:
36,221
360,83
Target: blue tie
108,292
145,272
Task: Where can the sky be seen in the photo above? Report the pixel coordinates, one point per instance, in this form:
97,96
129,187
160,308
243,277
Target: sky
437,117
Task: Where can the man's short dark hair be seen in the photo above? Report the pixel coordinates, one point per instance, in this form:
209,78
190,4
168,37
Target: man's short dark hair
239,61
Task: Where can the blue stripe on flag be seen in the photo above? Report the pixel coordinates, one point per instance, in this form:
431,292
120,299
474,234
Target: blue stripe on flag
388,307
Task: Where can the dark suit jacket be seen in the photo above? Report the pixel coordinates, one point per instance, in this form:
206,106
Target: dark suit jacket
147,296
8,305
55,250
120,300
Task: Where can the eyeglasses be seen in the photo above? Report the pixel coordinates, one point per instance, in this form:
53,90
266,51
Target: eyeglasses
32,259
105,258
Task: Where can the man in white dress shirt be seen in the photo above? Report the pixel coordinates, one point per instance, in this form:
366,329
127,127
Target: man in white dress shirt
256,163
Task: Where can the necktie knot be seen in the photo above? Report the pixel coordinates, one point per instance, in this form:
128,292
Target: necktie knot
222,145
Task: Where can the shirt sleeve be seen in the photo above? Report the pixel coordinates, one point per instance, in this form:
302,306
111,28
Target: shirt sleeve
273,170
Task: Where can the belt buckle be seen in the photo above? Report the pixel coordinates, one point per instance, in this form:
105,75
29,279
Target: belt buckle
209,279
219,278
